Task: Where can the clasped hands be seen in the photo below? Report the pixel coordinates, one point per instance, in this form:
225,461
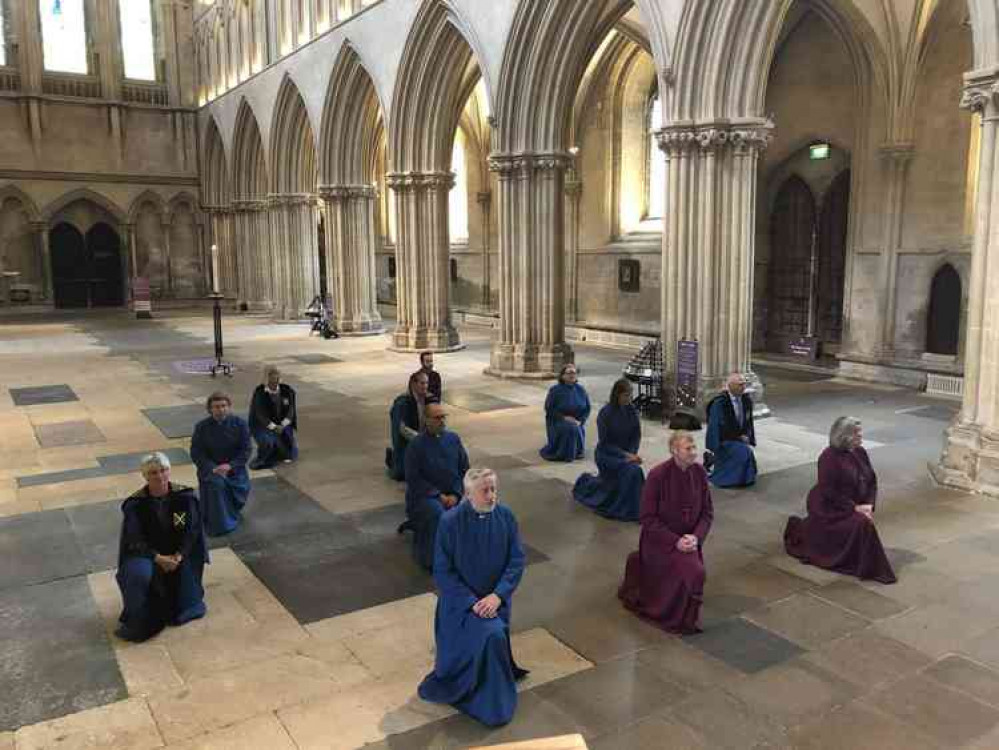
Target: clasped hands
222,469
274,427
632,458
867,511
487,606
687,543
571,420
449,501
169,563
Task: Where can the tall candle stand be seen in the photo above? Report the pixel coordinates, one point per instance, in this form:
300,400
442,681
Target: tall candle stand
220,365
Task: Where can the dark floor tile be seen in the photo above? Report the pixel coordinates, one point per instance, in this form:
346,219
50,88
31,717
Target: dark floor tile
948,716
76,432
97,527
127,463
478,402
676,660
314,359
744,645
38,547
176,421
58,477
854,597
42,394
968,677
613,694
719,607
54,654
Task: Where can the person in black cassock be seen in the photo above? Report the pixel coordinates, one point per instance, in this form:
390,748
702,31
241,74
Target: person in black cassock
273,420
161,555
405,423
435,387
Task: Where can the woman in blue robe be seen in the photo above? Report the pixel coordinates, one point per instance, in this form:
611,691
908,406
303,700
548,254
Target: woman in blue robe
161,555
405,423
436,462
220,448
731,436
617,492
566,411
478,564
273,421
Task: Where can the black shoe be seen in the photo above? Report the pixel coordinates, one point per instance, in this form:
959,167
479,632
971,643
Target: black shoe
709,460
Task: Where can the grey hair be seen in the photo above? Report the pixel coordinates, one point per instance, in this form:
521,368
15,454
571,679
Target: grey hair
841,432
474,477
156,459
678,436
268,369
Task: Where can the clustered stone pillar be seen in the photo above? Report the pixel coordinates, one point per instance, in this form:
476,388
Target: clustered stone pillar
253,255
970,459
897,157
531,337
350,254
422,283
485,200
708,243
223,235
573,191
294,259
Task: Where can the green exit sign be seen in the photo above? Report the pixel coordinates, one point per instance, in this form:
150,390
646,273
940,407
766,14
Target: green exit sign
818,151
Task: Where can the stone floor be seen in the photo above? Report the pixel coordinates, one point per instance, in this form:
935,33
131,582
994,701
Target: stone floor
319,627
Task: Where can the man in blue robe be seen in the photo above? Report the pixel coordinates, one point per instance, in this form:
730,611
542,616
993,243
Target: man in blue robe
731,436
478,564
161,555
436,463
220,448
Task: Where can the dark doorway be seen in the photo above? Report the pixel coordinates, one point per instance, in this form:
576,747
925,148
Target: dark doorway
792,234
943,323
86,270
832,260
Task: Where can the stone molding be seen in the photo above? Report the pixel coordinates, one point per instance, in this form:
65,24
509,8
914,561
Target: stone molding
897,152
347,192
408,181
292,199
244,206
743,137
213,210
980,91
529,161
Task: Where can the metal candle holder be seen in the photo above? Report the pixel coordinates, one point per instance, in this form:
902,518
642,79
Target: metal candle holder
220,365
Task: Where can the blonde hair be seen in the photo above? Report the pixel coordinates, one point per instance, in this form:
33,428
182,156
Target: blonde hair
678,436
268,369
156,459
475,476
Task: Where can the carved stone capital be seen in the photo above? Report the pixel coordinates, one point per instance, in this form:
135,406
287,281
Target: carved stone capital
331,193
573,187
529,161
212,209
291,199
484,198
404,182
244,206
980,90
682,138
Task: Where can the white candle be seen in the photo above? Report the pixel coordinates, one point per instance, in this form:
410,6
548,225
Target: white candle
215,269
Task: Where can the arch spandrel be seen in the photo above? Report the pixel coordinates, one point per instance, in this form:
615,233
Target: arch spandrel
293,147
84,194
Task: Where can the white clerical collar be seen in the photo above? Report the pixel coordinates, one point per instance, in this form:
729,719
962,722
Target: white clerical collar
273,391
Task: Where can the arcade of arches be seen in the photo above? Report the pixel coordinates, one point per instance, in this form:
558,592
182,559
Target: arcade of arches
551,169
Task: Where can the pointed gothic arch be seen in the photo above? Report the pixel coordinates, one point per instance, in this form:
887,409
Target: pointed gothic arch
84,194
216,180
294,168
249,168
943,319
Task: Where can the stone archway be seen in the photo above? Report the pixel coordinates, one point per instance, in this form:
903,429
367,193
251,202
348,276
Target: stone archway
943,321
793,240
252,231
87,268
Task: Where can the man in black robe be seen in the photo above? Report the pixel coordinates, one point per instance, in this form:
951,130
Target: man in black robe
161,555
435,387
273,421
731,436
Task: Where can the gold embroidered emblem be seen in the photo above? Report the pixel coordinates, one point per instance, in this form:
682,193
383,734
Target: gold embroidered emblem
179,520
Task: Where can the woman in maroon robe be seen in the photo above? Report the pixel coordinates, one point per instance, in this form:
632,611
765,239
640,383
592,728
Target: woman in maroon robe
664,579
839,532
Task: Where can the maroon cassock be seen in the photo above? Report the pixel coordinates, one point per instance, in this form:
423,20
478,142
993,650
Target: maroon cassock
661,583
834,535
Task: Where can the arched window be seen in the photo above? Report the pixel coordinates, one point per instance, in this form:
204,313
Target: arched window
3,32
655,169
138,49
64,35
943,322
458,199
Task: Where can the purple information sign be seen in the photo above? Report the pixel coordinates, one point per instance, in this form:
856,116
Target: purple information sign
687,369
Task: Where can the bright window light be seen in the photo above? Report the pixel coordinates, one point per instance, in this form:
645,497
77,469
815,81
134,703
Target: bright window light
137,45
64,35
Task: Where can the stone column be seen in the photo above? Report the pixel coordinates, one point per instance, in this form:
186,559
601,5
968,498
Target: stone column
41,230
708,238
573,190
168,259
252,255
485,201
531,340
897,157
293,267
422,283
970,459
350,257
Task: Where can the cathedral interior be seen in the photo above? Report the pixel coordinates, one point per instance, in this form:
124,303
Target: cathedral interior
804,188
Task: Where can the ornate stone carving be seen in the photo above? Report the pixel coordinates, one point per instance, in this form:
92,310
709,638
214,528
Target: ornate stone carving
680,138
347,192
521,163
979,92
406,181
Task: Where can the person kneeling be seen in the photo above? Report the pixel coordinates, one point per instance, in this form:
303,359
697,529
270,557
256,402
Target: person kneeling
731,436
478,563
273,421
161,555
664,579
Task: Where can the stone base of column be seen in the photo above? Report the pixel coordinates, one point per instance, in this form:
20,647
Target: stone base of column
359,326
970,460
528,361
256,307
444,339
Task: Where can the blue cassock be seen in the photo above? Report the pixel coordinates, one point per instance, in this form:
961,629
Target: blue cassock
735,464
222,498
565,440
477,554
151,598
404,411
435,465
617,492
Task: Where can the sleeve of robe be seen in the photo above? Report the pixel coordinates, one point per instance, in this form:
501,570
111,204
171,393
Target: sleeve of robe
707,513
292,414
514,571
550,412
653,527
244,448
750,424
459,488
835,499
585,413
198,454
446,575
260,416
872,491
133,539
713,438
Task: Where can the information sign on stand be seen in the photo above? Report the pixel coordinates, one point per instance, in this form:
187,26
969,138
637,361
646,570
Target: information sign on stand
687,371
142,300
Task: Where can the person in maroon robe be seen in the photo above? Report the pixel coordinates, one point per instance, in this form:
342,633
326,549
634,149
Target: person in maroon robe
839,532
664,579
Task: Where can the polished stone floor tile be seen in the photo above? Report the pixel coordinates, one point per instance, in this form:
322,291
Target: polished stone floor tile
264,732
97,527
111,465
126,725
56,657
314,359
864,602
478,402
868,659
727,723
937,629
38,547
652,733
176,421
681,663
758,581
858,726
807,620
602,634
968,677
744,646
42,394
61,434
949,717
